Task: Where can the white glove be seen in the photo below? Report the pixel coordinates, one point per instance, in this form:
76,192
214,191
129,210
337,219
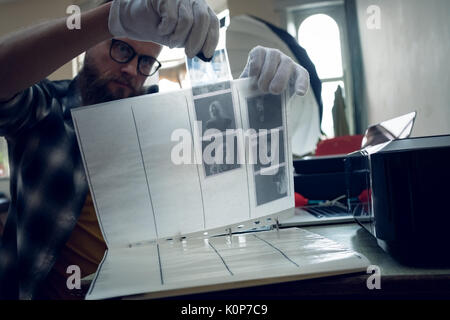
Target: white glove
274,71
173,23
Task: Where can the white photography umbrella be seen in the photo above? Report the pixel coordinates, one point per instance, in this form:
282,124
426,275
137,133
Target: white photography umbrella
243,34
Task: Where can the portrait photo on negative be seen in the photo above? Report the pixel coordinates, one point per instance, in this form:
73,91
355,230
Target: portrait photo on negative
271,186
215,112
220,154
265,112
209,88
267,149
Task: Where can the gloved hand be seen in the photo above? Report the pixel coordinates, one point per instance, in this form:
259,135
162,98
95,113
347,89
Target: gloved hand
274,71
173,23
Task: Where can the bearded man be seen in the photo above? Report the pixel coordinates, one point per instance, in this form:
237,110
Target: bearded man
51,220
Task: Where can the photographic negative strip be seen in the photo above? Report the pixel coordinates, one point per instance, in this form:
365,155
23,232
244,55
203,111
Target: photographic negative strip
209,88
272,186
215,112
220,154
265,112
267,150
201,72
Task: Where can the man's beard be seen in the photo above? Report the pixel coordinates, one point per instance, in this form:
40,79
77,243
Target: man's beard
94,86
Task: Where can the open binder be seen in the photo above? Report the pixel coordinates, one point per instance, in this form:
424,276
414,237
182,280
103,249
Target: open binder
162,207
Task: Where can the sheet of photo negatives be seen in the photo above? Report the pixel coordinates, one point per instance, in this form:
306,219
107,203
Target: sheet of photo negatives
203,73
270,177
262,181
223,174
140,194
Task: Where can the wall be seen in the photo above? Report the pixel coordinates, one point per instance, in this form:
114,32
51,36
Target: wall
4,186
218,5
264,9
273,11
17,14
406,62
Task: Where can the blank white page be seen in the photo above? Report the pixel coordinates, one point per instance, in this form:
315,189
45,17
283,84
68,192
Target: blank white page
174,188
113,162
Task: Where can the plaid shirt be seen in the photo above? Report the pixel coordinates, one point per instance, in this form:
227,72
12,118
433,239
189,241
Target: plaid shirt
48,184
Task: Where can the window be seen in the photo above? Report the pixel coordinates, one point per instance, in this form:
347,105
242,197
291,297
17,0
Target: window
4,165
321,31
327,51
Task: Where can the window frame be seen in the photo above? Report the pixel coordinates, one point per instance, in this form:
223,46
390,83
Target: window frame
336,10
4,150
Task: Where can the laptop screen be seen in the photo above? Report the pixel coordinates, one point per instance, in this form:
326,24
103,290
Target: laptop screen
393,129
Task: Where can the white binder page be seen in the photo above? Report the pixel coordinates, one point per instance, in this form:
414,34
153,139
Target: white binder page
199,265
174,187
113,164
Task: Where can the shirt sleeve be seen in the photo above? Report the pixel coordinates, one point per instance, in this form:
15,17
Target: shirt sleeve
24,110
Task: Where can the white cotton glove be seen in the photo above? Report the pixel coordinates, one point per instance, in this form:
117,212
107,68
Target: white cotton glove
173,23
274,71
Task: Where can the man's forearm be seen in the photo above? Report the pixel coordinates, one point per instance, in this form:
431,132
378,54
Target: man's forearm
30,55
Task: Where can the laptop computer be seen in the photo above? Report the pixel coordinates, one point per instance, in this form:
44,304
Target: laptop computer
335,210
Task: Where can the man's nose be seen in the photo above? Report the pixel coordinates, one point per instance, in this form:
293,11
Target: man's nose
131,67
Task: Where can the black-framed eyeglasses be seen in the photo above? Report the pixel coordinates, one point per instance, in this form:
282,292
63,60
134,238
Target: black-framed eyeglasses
122,52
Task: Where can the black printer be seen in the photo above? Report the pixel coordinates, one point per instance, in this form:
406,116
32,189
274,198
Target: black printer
403,197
